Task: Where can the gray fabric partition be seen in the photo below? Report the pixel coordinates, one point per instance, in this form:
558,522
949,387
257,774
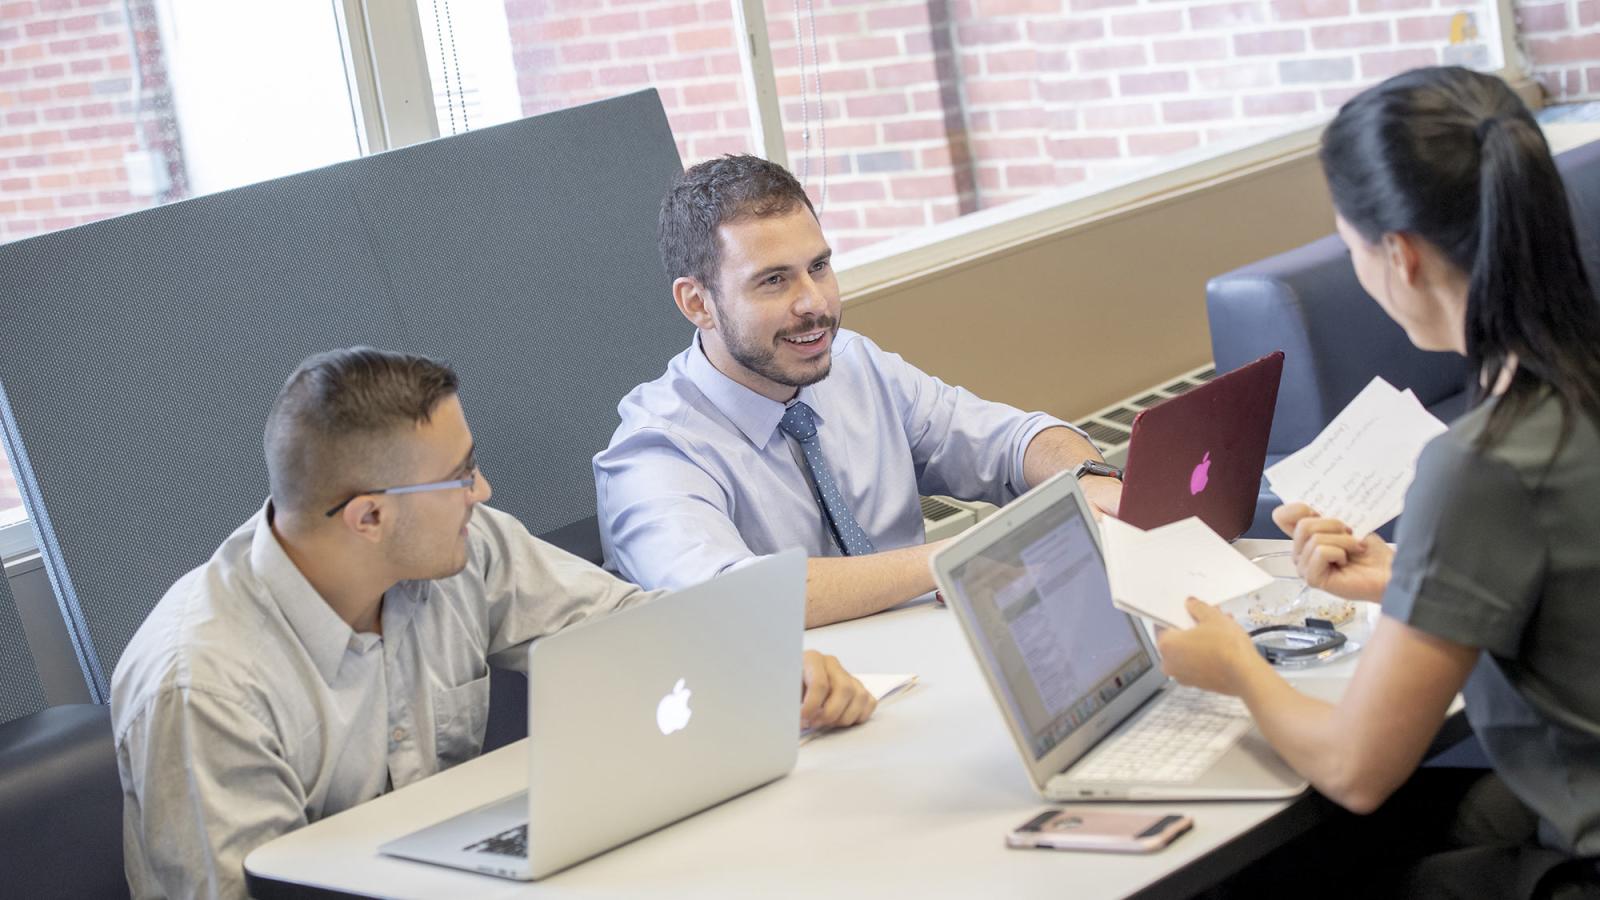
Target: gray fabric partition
138,356
21,693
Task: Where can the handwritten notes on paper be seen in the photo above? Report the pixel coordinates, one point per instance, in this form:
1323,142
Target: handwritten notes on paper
1153,572
1358,469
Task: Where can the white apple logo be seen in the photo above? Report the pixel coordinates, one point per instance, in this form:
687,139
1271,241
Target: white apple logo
672,713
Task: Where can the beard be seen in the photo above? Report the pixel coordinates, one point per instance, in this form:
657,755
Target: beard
762,357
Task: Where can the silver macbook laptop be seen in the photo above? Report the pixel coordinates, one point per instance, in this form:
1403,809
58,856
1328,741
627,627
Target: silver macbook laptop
641,718
1078,680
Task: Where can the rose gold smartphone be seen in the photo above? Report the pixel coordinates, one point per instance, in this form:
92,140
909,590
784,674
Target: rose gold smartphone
1088,828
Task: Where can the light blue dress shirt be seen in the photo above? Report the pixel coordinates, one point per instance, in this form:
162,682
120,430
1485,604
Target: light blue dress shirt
699,478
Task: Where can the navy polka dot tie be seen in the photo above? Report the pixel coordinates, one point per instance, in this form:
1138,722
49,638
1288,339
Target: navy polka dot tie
800,423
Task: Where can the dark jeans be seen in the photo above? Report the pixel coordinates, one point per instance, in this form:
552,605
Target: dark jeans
1447,833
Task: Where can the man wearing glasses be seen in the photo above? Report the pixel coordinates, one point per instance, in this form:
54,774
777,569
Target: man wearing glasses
337,645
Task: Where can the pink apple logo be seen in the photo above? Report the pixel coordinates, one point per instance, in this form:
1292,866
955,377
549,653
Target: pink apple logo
1200,475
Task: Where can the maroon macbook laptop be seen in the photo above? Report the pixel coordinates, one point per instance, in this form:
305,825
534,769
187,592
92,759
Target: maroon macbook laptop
1201,453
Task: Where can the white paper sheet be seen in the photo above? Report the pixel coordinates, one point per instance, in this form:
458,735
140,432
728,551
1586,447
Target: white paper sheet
1358,469
880,686
1153,572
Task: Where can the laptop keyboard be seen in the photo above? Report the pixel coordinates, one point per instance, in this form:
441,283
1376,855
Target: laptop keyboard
511,842
1175,741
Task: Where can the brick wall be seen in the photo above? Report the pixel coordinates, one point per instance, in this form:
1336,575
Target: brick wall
71,111
933,108
1562,41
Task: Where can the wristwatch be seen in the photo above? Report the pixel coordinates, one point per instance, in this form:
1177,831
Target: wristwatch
1097,467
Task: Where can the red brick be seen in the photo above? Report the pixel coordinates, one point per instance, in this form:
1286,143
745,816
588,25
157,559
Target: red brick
618,76
1535,19
1222,15
1066,31
1264,42
1190,50
876,106
729,64
1138,83
1007,148
1030,176
1349,36
856,191
1075,91
915,130
911,16
15,185
1288,104
988,33
710,94
896,217
922,187
1333,98
42,29
1575,49
1293,10
550,29
1367,6
1588,13
868,48
1117,56
614,24
702,39
16,11
583,53
1108,118
1162,144
1010,62
1197,110
898,75
1164,21
1085,148
688,67
649,45
1087,5
838,81
935,158
40,204
988,9
1380,65
982,93
1024,119
670,16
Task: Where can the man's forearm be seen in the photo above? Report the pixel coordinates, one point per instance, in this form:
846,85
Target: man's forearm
1055,450
848,587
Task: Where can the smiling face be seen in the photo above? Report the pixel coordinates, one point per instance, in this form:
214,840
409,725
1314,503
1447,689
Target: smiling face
775,308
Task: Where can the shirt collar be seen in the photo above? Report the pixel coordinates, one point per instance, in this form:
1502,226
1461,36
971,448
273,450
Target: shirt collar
754,415
320,630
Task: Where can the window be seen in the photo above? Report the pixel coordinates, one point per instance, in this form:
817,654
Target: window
493,62
110,107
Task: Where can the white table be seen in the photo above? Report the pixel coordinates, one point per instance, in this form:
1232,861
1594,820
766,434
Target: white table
915,802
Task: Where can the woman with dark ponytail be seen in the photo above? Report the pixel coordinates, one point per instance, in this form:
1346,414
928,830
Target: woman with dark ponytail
1458,225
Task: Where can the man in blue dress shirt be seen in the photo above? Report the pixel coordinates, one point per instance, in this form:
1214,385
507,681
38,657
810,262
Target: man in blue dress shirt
776,428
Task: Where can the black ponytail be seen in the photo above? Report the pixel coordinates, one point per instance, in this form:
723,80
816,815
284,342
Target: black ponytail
1454,157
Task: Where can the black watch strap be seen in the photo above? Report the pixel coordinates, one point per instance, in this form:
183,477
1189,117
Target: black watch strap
1097,467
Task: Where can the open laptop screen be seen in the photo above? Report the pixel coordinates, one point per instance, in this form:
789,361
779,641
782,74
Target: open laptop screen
1043,606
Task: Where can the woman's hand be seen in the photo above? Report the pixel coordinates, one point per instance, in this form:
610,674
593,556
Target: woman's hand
1213,655
1330,558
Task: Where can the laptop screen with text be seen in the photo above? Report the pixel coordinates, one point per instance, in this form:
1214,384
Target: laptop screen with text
1042,603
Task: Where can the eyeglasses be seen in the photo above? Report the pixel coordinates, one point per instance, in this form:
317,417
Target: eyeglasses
469,482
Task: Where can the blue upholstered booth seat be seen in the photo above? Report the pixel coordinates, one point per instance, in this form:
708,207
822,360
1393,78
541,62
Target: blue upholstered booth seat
1307,303
60,805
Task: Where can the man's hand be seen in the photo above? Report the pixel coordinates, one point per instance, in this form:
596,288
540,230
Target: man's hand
831,697
1330,558
1213,655
1103,492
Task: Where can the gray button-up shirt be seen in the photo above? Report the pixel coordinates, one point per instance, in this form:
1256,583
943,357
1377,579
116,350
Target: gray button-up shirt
244,707
698,478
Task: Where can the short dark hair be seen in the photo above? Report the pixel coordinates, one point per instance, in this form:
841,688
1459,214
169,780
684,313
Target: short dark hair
330,431
1453,156
711,194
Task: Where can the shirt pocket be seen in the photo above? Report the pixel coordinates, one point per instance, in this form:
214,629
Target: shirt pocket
460,715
